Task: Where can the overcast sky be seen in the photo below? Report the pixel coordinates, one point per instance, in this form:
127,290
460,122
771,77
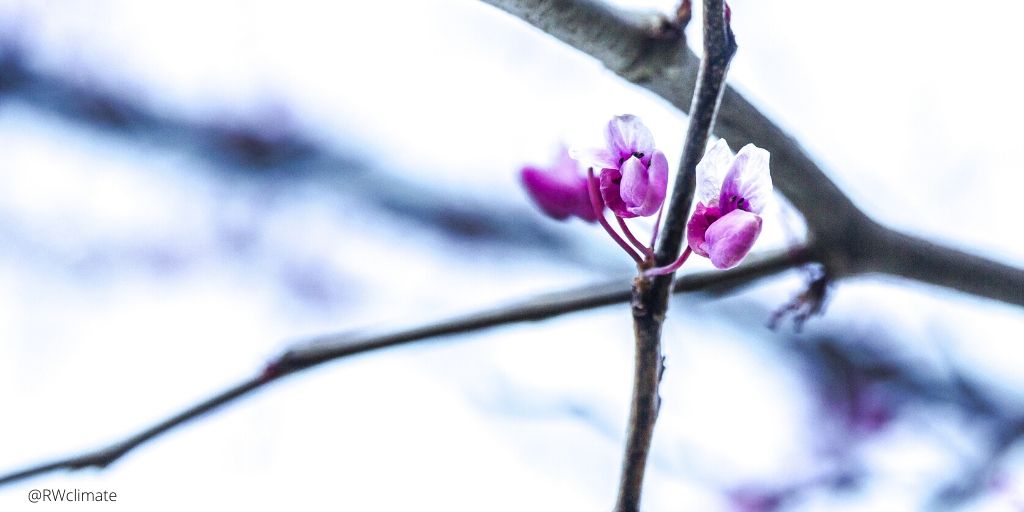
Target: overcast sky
137,278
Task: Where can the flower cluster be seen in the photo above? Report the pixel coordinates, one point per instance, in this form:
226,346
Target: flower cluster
630,180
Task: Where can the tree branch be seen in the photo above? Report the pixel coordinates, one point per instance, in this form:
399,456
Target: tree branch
649,50
650,297
320,350
913,258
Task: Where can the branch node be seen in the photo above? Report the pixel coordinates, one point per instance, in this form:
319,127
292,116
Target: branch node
658,49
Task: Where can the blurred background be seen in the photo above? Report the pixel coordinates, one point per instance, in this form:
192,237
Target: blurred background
187,187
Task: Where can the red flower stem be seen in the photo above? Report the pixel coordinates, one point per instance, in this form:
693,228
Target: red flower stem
595,201
633,239
657,225
668,269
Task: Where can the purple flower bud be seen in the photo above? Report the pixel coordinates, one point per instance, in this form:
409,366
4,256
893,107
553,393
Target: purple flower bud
726,221
561,190
634,175
730,238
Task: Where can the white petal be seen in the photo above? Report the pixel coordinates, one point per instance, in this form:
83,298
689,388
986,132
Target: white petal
626,135
710,171
598,158
751,178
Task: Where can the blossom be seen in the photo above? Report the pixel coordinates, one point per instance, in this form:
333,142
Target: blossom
560,190
726,221
633,174
632,179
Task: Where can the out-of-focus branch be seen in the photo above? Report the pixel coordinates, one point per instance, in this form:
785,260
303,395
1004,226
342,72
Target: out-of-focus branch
268,145
650,297
848,367
320,350
865,387
649,50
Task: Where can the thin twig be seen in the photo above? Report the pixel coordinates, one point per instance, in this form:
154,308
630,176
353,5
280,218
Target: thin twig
320,350
650,296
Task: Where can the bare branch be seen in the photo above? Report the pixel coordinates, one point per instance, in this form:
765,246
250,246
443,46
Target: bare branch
641,47
320,350
650,297
910,257
649,50
105,456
